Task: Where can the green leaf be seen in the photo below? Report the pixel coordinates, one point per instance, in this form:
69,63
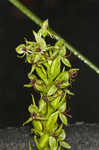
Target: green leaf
21,56
37,57
52,143
36,132
62,51
39,85
59,147
63,118
59,129
33,108
42,118
65,145
41,42
50,111
73,70
51,121
36,142
63,76
29,58
28,121
55,68
62,100
62,108
20,48
52,90
33,100
37,125
43,31
53,130
69,92
42,106
43,141
59,43
41,74
55,102
66,62
30,146
29,43
28,85
65,85
45,25
46,148
54,54
31,76
61,136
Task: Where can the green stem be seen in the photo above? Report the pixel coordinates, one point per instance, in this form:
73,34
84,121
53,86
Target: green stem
38,21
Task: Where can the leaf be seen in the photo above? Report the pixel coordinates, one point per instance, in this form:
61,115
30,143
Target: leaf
37,125
65,145
46,148
31,76
65,84
43,69
37,57
30,146
55,102
28,121
51,121
29,58
52,143
36,132
41,74
73,70
62,100
54,128
41,42
36,142
50,111
21,56
39,85
59,130
28,85
66,62
52,90
42,106
62,108
59,43
45,25
43,141
63,118
54,54
43,31
61,136
33,108
69,92
20,48
29,43
33,100
63,76
55,68
59,147
42,118
62,51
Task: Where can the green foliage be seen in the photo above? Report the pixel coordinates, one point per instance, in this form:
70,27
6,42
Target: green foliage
49,79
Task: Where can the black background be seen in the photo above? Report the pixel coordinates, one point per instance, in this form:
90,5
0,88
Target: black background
78,23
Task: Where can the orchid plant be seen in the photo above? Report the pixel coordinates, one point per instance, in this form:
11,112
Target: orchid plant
51,75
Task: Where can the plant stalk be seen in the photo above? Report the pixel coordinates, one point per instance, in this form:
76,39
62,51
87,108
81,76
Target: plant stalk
39,22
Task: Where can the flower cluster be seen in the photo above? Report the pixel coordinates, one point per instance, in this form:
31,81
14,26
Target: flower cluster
51,75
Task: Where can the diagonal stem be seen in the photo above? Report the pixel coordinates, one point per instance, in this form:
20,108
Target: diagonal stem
39,22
